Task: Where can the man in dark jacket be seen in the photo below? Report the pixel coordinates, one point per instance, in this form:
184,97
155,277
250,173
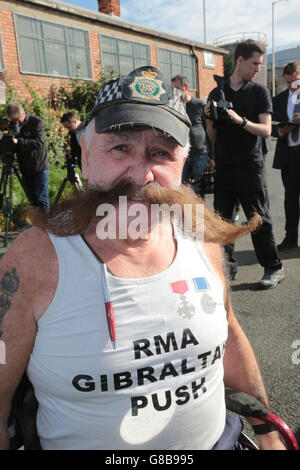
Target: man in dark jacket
71,122
31,151
287,154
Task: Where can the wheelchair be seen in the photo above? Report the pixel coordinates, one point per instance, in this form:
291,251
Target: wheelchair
23,432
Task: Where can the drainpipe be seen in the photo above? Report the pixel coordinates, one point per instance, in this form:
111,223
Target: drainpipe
197,71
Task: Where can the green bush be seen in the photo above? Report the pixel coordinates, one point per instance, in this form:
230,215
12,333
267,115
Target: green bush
228,61
78,96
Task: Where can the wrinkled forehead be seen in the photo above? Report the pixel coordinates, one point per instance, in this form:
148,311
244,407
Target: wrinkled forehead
136,134
148,133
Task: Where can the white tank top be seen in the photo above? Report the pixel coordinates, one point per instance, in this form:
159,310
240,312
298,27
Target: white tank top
162,387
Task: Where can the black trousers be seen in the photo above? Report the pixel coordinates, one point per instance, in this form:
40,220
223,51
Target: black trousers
36,186
248,185
290,175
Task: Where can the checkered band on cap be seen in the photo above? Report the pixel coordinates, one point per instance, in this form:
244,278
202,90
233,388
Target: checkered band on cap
111,91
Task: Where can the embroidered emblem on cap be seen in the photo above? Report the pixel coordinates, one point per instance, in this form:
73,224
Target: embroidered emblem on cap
147,88
147,85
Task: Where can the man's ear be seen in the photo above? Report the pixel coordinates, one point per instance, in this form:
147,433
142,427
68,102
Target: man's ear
84,158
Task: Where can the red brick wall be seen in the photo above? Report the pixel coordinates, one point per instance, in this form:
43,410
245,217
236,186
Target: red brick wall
207,82
9,47
95,55
153,56
109,6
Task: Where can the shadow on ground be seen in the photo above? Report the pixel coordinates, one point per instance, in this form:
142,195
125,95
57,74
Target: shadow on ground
253,286
248,257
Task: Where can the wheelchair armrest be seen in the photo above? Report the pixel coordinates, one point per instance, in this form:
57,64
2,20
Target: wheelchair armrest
247,406
244,404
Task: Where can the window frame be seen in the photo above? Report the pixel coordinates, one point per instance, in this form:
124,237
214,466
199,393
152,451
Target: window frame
193,87
65,44
209,65
117,38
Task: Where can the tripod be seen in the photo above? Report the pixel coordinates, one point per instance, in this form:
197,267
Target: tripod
72,177
6,190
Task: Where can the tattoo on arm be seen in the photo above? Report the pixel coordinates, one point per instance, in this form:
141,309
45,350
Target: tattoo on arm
259,389
9,285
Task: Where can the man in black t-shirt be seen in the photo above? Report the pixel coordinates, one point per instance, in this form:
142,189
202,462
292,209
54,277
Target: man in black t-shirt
240,168
196,162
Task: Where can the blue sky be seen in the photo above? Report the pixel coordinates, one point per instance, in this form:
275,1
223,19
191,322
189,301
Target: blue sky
223,17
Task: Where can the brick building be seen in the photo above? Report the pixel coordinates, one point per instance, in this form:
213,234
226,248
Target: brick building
44,43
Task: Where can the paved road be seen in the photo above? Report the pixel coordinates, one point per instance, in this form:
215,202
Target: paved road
271,318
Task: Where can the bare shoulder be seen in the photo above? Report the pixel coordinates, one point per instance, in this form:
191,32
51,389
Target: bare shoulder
25,291
29,249
32,260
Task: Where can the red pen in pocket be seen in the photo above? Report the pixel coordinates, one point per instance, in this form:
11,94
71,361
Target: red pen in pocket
108,306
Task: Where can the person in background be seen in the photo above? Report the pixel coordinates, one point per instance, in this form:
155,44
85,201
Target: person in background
31,151
73,124
240,164
197,160
287,153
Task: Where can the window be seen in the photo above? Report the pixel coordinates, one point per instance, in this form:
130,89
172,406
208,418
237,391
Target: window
52,49
121,56
173,63
209,59
1,55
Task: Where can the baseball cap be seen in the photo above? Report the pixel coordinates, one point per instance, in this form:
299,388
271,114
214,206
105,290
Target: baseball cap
144,98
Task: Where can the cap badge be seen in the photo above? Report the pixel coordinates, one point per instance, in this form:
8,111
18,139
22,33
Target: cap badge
147,88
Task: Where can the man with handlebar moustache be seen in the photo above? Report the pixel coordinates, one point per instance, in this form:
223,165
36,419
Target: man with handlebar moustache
129,340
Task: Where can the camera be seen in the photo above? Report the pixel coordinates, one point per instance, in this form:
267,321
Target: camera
219,109
8,130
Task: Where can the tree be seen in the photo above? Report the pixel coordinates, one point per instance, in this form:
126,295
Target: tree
228,65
